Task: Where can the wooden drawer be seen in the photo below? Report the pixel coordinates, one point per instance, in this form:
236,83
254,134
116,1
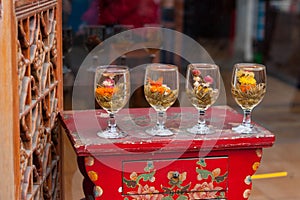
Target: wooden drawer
186,178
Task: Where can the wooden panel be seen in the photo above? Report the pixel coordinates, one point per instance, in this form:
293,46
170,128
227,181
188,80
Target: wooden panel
28,7
29,3
9,137
71,174
39,82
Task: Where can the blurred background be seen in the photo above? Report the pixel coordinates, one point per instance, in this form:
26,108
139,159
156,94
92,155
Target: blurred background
231,31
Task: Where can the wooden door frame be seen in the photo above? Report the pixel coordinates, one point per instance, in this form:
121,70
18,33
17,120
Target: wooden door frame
9,105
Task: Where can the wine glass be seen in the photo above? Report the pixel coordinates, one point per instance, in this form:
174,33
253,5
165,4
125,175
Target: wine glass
153,37
248,88
202,88
112,88
93,36
161,87
124,41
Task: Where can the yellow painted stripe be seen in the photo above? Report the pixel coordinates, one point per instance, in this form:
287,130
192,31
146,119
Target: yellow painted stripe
269,175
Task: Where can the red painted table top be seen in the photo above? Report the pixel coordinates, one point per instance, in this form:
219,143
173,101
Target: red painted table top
82,126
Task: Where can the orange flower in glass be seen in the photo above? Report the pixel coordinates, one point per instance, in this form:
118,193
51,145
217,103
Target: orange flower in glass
108,94
157,86
159,94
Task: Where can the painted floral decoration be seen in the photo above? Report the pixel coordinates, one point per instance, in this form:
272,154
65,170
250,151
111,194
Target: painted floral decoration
207,187
143,192
146,192
176,187
248,180
200,191
136,178
93,175
175,178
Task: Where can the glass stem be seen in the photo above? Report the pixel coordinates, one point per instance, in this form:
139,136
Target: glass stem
112,122
201,119
247,118
161,118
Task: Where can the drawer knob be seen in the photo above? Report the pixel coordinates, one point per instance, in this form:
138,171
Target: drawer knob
175,175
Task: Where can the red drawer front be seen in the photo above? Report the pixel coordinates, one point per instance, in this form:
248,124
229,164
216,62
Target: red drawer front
192,178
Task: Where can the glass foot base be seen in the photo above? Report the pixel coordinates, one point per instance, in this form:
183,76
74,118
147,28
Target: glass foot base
244,129
201,130
108,134
159,132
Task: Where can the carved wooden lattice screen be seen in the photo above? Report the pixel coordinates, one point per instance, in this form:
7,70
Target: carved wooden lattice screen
39,74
